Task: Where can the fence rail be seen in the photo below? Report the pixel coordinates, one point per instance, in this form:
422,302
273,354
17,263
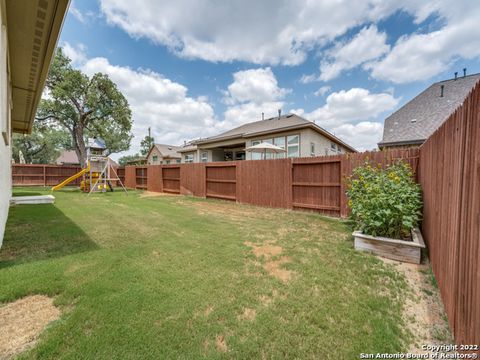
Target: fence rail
315,184
449,172
49,175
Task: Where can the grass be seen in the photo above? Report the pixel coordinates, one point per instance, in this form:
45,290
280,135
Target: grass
172,277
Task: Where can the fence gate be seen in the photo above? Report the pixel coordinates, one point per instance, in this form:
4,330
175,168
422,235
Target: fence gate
141,178
221,181
171,179
316,185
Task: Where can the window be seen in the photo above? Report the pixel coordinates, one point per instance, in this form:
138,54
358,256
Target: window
280,142
178,161
293,146
256,156
155,158
239,155
312,149
204,157
333,147
267,155
189,158
167,162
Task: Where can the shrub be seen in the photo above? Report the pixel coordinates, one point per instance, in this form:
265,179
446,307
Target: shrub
384,202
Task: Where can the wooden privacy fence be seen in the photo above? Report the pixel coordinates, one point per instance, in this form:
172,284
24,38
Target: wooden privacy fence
50,175
44,175
449,172
315,183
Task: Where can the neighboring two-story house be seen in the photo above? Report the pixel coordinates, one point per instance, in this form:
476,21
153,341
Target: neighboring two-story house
298,136
163,154
414,122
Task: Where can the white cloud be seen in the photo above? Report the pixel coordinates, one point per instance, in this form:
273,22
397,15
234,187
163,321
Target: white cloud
76,53
351,115
367,44
306,79
422,55
262,32
252,92
159,103
76,12
362,136
322,91
255,85
283,32
351,106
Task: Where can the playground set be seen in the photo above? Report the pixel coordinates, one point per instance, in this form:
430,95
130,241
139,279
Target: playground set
98,173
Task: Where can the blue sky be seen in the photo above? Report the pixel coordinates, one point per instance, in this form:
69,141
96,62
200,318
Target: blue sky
196,68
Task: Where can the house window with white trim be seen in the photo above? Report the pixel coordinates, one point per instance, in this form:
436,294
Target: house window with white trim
293,146
204,157
280,142
255,155
312,149
189,158
155,158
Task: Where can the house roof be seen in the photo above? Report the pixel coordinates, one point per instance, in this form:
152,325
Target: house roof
33,31
414,122
67,157
70,157
167,151
96,143
272,125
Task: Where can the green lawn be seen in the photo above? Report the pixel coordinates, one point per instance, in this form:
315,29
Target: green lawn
176,277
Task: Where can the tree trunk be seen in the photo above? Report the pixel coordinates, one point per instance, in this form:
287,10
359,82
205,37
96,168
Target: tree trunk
80,146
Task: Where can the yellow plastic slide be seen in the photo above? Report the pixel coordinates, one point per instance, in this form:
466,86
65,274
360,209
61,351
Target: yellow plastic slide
71,178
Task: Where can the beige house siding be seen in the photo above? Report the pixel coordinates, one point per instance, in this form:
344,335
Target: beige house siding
5,139
153,153
193,152
322,145
160,159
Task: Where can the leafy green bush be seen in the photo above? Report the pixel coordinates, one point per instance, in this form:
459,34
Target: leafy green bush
384,202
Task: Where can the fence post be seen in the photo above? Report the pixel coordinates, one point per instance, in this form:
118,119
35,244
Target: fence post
343,196
44,176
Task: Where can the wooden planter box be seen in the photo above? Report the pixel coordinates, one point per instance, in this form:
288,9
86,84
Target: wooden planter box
408,251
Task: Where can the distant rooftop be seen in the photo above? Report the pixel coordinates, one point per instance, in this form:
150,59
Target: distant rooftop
414,122
169,151
274,124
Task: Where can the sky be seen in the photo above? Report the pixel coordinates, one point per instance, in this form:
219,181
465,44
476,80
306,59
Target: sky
196,68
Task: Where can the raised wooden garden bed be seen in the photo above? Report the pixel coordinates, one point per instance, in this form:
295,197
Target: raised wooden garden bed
402,250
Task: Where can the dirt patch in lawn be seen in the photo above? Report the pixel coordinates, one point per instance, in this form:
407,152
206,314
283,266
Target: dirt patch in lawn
248,314
423,313
221,344
266,251
272,267
22,322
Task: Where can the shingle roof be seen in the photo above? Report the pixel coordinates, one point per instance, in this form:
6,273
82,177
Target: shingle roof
419,118
169,151
275,124
67,157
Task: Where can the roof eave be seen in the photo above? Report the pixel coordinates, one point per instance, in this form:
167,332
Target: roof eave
19,23
401,143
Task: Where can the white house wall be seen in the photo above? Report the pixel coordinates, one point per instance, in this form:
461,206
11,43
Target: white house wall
5,139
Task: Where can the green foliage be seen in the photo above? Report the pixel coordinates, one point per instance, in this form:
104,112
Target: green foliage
42,146
85,107
146,144
384,202
135,159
